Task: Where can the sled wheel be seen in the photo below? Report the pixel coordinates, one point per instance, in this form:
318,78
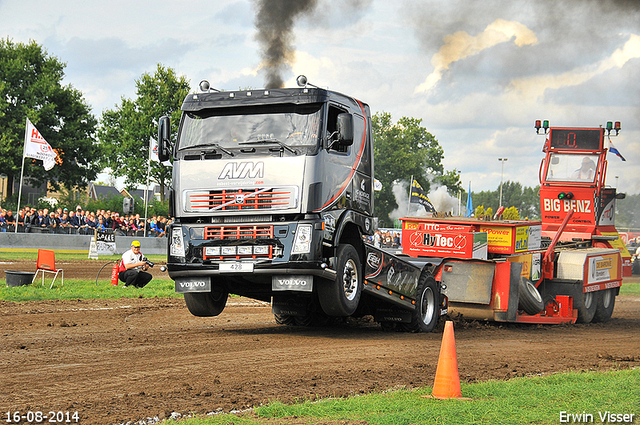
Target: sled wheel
206,304
529,298
341,297
587,309
604,305
426,314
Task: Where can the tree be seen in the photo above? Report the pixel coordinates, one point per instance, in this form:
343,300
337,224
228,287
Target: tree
628,212
525,199
511,213
403,150
125,131
31,86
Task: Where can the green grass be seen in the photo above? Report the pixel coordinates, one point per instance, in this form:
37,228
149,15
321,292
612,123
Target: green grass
74,289
64,256
537,400
630,286
82,288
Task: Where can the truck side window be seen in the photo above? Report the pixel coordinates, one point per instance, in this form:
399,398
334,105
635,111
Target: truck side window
332,127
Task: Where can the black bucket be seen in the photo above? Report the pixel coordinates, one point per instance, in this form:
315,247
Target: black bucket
18,278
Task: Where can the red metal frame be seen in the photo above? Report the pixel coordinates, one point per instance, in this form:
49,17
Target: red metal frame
263,200
238,232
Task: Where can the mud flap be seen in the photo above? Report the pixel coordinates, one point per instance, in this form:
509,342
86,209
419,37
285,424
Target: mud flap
395,315
290,305
514,296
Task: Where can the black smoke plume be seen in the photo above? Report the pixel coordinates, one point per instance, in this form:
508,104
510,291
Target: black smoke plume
274,21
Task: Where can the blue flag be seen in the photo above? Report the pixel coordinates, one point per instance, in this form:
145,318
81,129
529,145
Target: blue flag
469,212
613,150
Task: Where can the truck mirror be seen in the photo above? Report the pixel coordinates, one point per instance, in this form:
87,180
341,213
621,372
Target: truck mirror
345,129
164,138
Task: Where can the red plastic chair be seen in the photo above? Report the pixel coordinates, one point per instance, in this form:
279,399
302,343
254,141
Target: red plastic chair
47,264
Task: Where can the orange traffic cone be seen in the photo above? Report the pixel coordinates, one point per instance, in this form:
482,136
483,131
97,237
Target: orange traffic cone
447,382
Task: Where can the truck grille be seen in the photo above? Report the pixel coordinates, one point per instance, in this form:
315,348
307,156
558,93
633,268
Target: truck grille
242,199
238,232
241,251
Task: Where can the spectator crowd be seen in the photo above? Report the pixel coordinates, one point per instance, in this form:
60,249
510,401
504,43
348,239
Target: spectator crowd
385,238
81,222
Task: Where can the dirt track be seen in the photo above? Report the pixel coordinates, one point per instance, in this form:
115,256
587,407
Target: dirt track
118,360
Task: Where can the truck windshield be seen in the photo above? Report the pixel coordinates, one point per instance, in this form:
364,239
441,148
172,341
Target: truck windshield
295,126
572,168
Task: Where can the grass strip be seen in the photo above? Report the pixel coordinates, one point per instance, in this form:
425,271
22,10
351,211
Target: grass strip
74,289
533,400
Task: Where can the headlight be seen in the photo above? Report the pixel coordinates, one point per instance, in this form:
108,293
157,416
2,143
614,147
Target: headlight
176,249
302,241
261,249
244,250
212,251
228,250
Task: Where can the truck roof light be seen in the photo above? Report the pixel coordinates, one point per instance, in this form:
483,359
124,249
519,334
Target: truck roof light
545,124
232,95
249,94
266,92
301,81
205,87
617,125
538,124
609,125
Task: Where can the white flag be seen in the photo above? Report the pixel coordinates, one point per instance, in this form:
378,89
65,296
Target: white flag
36,147
153,154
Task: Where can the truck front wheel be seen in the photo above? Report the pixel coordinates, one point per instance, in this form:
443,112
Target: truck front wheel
426,314
587,309
341,297
207,304
604,305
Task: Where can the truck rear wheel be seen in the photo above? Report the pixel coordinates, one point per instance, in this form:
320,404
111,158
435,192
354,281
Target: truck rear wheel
529,297
587,309
341,297
283,319
604,305
207,304
426,314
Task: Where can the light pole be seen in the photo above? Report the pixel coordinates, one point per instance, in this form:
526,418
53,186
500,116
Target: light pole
502,160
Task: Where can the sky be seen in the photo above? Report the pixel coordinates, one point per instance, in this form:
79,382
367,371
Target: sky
478,74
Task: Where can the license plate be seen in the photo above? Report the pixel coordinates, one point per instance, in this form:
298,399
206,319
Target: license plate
236,267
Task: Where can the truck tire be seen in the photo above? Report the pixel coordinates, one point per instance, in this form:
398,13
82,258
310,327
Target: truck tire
529,298
604,305
426,314
341,297
206,304
283,319
587,308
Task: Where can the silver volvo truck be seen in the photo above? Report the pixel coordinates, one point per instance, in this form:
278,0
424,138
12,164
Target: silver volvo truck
272,198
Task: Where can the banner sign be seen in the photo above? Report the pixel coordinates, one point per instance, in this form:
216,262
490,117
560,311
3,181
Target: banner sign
106,243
